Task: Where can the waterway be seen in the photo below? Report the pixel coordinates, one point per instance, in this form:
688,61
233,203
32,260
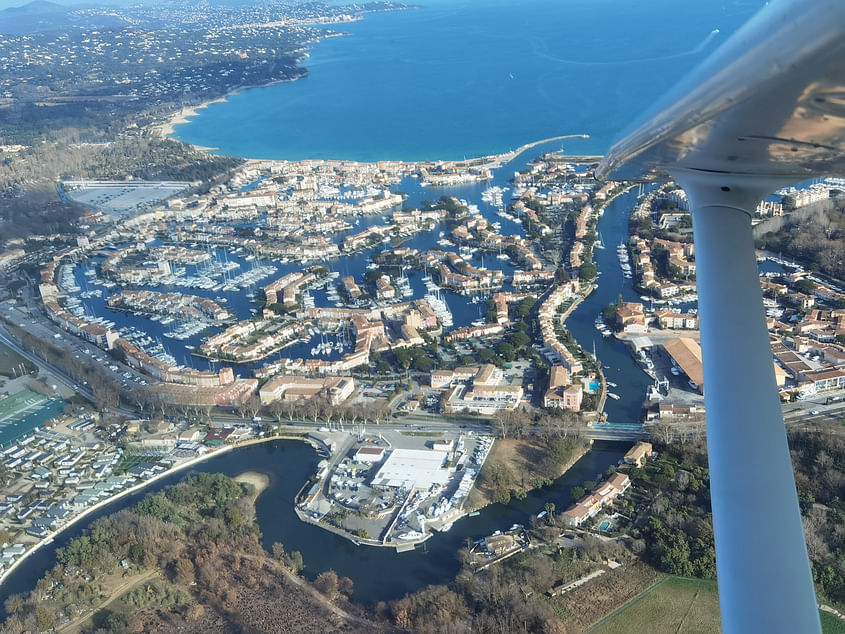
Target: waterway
378,573
617,363
613,227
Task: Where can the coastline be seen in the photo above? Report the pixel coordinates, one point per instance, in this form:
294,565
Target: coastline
259,480
167,128
133,489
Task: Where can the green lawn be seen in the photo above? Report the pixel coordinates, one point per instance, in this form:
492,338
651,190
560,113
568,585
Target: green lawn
677,606
832,624
680,606
10,359
128,462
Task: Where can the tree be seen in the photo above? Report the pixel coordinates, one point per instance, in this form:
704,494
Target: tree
296,561
562,275
505,350
519,339
525,306
253,405
423,364
46,618
485,355
550,509
327,583
588,271
345,586
136,554
184,570
805,286
403,357
577,492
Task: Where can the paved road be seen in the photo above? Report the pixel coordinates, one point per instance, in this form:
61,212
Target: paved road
36,323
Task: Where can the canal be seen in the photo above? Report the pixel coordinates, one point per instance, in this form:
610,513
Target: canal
380,574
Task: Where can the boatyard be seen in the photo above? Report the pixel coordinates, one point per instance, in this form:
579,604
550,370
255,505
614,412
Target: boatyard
393,487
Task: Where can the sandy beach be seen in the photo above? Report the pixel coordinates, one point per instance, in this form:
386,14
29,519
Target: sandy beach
183,116
259,480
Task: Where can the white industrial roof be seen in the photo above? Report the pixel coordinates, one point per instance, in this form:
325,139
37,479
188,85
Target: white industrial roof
412,469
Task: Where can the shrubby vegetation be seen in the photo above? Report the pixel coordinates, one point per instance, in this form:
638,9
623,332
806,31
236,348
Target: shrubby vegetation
815,237
819,460
195,551
673,518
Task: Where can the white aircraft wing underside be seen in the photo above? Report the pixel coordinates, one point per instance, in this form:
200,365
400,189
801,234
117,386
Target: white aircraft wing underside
770,101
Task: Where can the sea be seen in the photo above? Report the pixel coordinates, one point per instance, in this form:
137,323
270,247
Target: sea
454,78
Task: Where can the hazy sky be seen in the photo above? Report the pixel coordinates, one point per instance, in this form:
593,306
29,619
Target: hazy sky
5,4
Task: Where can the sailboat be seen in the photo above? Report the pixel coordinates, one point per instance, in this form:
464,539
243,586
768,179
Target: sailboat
599,244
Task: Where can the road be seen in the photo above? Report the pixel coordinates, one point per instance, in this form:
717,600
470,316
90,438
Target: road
794,413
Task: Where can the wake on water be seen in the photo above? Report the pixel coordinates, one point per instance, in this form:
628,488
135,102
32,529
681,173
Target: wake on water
546,55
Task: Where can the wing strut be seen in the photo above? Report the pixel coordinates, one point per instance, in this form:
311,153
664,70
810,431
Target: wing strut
765,583
767,109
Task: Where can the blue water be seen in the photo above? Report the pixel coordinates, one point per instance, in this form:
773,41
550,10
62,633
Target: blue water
617,363
473,77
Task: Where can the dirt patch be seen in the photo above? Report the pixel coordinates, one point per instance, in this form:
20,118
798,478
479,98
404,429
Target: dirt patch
593,601
527,461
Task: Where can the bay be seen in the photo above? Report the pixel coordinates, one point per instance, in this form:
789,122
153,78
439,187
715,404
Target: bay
473,77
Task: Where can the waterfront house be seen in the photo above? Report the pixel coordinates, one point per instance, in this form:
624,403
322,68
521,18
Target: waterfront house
637,454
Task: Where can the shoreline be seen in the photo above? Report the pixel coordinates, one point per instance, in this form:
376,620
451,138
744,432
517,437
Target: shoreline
50,537
167,128
583,451
259,481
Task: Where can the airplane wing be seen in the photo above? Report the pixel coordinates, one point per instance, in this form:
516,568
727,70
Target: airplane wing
767,109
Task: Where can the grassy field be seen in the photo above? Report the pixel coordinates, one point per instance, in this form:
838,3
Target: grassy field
832,624
10,359
128,462
679,606
525,459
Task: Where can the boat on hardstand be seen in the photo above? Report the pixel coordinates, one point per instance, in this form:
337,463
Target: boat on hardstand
411,535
